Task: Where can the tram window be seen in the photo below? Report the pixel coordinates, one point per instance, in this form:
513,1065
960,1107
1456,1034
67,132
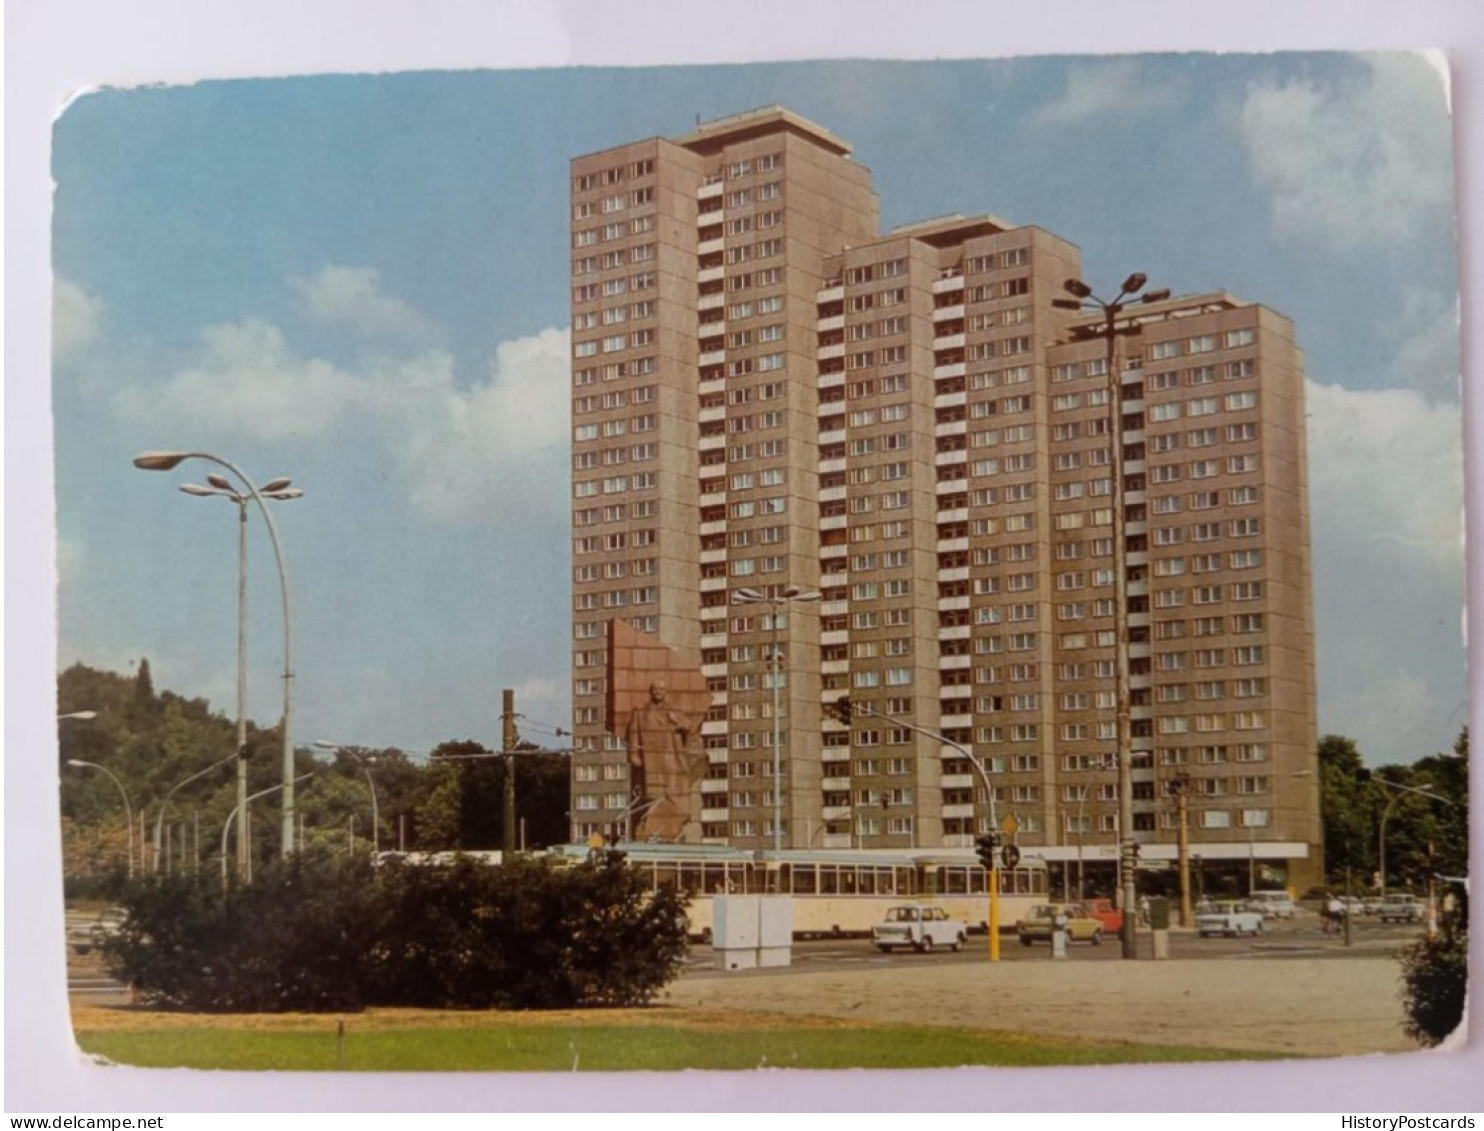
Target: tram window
955,881
690,877
781,880
803,879
868,881
716,878
829,880
847,881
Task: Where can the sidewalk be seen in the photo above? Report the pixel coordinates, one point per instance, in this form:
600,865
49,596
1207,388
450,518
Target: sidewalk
1336,1006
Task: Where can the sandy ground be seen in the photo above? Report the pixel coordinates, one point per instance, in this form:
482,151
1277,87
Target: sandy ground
1303,1006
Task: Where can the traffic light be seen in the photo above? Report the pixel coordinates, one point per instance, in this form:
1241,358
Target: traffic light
843,709
984,848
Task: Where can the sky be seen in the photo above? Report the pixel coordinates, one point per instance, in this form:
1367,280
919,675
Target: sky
358,233
360,282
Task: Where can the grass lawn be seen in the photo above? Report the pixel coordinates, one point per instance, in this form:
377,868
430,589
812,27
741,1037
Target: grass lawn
599,1042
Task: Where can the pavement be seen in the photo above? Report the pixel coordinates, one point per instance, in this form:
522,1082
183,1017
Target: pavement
1330,1006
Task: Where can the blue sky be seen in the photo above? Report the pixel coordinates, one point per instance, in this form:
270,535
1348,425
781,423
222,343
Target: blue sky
360,282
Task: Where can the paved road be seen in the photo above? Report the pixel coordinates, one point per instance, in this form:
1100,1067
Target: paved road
1298,938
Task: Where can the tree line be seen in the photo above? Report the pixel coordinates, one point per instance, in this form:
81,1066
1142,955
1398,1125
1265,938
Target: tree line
153,741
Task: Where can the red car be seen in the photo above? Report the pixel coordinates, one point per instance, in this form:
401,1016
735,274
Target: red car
1105,913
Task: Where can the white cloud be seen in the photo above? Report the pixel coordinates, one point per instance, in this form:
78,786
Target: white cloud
1427,358
76,316
247,381
1352,163
1386,500
1386,465
453,445
1103,88
352,296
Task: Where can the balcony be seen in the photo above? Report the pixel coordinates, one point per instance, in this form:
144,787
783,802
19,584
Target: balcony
949,604
711,415
949,342
956,573
711,302
954,632
831,494
951,283
713,785
942,372
711,557
948,459
834,609
955,514
958,781
951,487
711,357
710,275
951,428
714,814
834,522
834,322
825,353
948,721
949,545
951,400
952,663
717,527
830,294
833,436
710,191
830,380
711,247
948,313
950,811
713,584
841,636
714,640
831,579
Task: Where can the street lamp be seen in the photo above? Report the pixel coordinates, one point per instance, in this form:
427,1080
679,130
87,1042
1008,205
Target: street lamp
1402,790
845,709
165,804
777,598
227,824
275,489
78,715
325,744
1085,301
128,809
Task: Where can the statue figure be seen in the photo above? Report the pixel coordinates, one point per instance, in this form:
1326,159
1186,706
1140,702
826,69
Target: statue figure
660,765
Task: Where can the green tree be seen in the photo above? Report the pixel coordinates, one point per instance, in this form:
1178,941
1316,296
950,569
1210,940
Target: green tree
1347,803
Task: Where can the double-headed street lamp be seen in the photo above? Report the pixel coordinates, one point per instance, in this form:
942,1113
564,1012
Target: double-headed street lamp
275,489
128,809
777,598
165,804
1085,301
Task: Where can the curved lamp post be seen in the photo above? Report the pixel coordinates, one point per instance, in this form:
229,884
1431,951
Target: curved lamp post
276,489
1402,791
1084,301
165,803
777,598
128,809
325,744
227,824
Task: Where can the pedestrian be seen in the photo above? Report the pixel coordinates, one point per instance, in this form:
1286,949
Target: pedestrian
1336,913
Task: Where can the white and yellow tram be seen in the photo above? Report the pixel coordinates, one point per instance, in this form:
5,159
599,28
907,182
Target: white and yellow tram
835,893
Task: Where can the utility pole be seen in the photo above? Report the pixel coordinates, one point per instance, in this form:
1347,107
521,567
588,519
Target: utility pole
508,741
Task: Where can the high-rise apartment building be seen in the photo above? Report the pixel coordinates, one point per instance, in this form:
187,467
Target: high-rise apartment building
768,393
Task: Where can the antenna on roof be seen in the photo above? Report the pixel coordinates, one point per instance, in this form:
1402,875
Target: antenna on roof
698,119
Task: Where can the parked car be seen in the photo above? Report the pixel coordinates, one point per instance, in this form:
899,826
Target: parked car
1080,925
1229,918
1401,909
921,928
1105,913
1369,904
1272,904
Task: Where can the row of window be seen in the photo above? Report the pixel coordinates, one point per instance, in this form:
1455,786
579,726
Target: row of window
608,429
612,288
613,371
613,457
614,175
618,398
618,512
1200,375
609,543
618,568
620,229
741,198
1201,406
1202,343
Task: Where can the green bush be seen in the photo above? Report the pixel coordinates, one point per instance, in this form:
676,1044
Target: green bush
320,933
1435,977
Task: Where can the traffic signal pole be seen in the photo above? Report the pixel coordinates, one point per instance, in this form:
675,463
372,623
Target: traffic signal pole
987,846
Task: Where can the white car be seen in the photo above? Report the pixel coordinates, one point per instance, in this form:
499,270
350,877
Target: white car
1228,918
1272,904
921,928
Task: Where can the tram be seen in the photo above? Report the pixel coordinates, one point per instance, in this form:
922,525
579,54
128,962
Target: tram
836,893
